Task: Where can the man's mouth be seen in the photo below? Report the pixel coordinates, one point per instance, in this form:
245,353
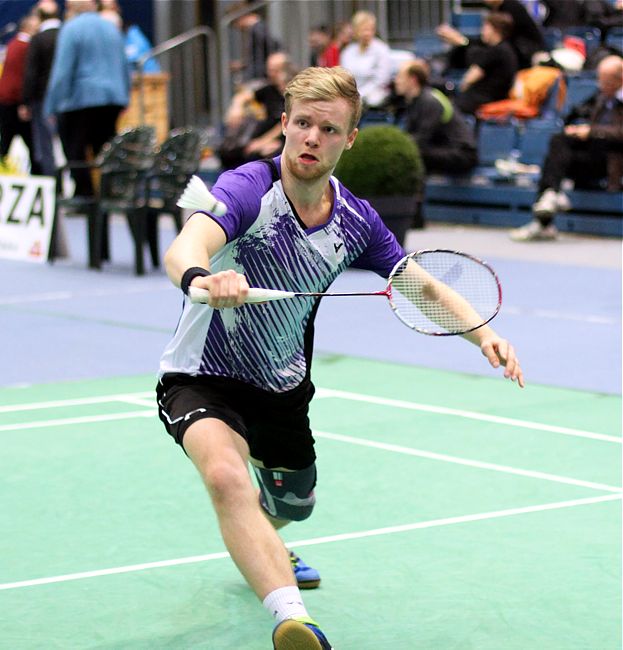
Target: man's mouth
307,158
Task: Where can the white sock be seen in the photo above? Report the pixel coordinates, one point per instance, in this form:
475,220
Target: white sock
285,602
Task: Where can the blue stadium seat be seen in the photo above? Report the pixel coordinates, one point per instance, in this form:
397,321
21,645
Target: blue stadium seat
614,38
467,22
579,89
534,137
495,140
427,44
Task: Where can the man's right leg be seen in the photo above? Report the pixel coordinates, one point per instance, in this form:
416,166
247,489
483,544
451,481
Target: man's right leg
220,455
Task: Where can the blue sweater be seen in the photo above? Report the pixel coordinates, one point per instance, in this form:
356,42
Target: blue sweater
90,67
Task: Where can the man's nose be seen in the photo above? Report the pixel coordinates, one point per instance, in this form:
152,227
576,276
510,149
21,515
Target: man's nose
312,137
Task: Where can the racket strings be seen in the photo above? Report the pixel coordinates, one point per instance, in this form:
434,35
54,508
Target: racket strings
455,294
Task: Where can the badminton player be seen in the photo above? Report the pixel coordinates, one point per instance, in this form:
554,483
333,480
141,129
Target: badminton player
234,385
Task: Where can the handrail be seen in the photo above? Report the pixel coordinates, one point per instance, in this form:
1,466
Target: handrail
172,43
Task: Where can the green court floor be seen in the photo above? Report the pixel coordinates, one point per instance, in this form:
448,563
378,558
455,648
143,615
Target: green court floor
454,512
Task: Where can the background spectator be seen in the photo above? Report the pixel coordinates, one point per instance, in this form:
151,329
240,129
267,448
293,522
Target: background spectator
492,68
342,36
446,142
319,40
14,121
562,13
89,85
257,43
38,66
525,37
368,59
586,151
253,121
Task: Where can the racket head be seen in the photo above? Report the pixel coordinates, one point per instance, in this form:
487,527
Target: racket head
421,303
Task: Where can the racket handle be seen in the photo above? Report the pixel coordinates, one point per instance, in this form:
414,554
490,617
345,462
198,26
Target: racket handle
198,295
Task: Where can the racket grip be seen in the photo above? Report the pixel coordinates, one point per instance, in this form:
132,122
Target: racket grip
264,295
198,295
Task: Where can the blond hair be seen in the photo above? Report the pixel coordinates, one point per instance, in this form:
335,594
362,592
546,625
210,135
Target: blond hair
325,84
362,17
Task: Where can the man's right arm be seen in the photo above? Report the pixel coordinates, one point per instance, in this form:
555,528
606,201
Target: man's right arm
200,239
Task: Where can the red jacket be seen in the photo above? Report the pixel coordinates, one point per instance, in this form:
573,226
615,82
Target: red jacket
12,79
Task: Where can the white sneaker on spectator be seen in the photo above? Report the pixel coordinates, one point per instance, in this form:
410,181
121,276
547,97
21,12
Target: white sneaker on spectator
534,231
562,202
547,203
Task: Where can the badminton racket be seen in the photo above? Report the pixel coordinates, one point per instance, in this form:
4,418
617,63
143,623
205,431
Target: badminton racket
437,292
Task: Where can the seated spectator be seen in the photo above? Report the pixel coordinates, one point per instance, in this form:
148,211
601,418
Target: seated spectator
446,142
492,68
604,15
14,121
342,36
586,151
318,40
525,38
562,13
368,59
253,121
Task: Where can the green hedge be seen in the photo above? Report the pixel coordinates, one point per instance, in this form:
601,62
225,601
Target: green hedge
384,161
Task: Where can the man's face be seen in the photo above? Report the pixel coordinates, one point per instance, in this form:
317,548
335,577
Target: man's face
275,68
402,82
609,82
317,132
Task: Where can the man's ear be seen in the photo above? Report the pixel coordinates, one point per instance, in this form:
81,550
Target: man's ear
351,138
284,123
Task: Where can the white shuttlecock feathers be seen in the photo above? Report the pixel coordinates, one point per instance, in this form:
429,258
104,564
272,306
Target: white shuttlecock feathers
197,196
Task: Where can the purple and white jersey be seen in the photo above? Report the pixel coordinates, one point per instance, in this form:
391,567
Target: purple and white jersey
269,345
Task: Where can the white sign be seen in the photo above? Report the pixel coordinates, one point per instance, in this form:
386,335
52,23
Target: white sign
26,217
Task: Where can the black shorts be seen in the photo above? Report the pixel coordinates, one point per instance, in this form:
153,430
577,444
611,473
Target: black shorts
275,425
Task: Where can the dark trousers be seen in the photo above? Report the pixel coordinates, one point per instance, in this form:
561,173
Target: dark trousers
449,160
10,126
584,161
85,131
42,139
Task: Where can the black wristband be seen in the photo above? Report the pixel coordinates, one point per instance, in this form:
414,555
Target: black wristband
191,273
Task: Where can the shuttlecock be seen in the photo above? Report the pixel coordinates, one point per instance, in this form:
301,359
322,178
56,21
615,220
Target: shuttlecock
197,196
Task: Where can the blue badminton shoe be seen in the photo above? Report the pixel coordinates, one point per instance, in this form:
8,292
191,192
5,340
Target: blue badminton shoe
299,634
306,577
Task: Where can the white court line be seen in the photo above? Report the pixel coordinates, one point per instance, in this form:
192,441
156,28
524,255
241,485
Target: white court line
470,415
138,401
79,401
559,315
49,296
90,419
466,461
326,393
390,530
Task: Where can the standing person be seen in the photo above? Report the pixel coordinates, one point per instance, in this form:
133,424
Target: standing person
492,69
257,42
368,59
14,119
38,66
235,384
445,141
89,85
585,151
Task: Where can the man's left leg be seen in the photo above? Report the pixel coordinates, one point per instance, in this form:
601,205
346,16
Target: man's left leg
286,496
